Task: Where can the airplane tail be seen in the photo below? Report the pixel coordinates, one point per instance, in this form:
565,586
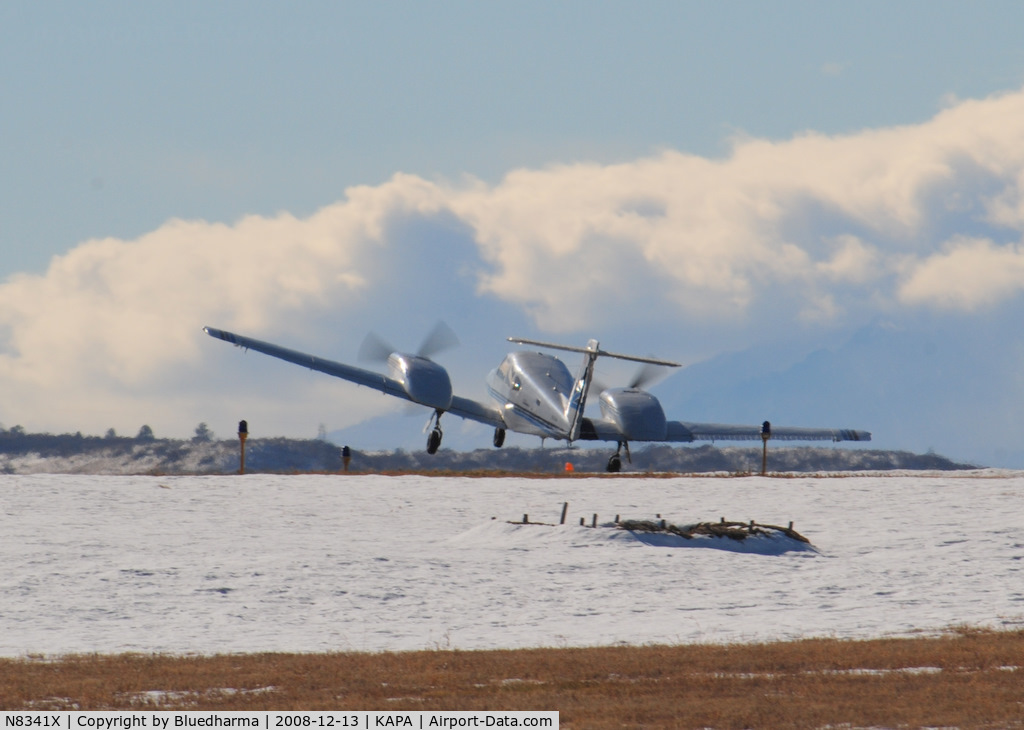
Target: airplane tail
581,387
578,400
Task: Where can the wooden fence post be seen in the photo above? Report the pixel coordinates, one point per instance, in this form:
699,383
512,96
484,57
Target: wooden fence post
243,433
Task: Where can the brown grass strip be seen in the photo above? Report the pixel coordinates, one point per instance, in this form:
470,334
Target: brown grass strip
965,679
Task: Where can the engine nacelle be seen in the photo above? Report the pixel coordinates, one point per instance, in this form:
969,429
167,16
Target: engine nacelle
637,413
426,382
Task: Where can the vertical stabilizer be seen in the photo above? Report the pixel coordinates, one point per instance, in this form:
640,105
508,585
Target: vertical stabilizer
578,399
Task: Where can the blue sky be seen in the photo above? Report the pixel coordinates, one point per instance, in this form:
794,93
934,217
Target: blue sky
122,115
307,172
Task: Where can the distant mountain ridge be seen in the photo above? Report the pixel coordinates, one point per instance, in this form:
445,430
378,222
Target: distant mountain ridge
22,453
954,389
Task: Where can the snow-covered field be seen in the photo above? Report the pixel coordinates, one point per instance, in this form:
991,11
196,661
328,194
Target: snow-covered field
369,563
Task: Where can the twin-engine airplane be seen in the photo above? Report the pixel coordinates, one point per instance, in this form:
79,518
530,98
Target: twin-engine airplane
535,394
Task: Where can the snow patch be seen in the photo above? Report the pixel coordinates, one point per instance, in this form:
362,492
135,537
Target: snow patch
371,563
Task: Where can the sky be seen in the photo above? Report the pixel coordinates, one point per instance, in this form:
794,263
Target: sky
688,180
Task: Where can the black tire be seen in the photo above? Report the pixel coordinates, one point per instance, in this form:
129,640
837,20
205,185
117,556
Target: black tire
499,437
614,464
433,441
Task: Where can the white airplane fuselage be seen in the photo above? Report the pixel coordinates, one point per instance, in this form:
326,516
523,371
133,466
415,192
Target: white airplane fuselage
533,391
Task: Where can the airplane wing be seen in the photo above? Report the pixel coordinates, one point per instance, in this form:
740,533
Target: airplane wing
339,370
687,432
462,407
473,410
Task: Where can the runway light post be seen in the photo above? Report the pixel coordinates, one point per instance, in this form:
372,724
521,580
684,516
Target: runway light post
243,433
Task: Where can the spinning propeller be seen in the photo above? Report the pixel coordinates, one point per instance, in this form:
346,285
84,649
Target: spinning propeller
648,374
425,382
439,339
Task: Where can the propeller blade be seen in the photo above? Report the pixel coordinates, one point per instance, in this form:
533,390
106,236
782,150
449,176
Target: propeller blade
441,338
647,375
374,349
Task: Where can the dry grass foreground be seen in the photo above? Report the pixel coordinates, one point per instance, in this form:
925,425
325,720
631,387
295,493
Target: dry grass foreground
965,679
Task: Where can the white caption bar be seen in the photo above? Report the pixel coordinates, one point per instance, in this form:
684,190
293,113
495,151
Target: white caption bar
273,720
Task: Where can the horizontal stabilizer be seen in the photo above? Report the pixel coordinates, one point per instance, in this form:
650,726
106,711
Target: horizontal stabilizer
596,351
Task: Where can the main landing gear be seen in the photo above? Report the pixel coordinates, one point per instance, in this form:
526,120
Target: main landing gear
615,460
434,439
436,434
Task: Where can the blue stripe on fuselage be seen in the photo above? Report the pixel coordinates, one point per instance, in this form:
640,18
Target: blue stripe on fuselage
550,430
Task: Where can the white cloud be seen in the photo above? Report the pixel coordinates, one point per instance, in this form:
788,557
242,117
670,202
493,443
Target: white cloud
970,274
854,261
121,319
816,229
720,236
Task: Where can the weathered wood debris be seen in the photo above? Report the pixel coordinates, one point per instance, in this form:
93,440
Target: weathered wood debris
733,530
738,531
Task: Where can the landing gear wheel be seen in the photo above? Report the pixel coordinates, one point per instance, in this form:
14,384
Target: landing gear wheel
499,437
614,463
434,440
